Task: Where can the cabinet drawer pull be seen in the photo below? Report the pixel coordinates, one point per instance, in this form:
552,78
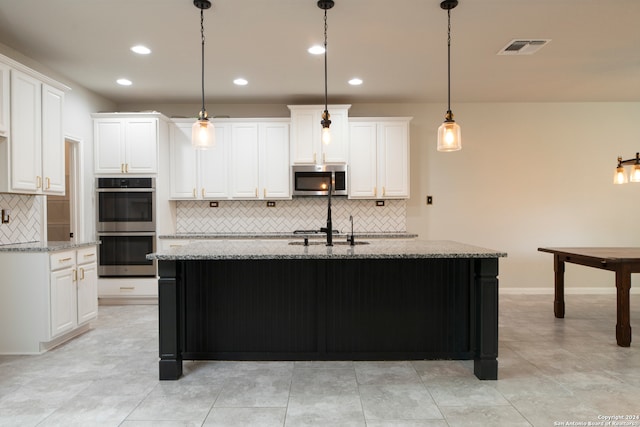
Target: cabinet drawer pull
194,193
89,255
175,246
75,275
48,183
202,191
122,167
38,182
81,273
127,288
64,259
264,193
375,191
256,192
126,167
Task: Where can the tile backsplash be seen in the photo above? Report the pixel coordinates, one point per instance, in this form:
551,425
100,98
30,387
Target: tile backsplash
304,213
25,224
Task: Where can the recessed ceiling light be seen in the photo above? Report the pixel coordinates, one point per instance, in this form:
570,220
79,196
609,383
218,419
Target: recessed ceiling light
316,50
355,81
140,49
124,82
240,81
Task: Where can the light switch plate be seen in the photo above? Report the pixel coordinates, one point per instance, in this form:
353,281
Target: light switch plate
6,216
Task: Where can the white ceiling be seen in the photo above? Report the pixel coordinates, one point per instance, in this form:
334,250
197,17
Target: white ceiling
397,47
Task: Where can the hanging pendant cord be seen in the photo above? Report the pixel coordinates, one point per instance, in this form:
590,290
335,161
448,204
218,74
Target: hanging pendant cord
325,59
449,59
203,112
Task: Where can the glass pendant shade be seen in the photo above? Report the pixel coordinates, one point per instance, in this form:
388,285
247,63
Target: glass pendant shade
449,136
635,173
620,176
326,136
203,135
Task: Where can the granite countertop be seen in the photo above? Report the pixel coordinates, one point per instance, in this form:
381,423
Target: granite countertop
254,236
45,246
277,249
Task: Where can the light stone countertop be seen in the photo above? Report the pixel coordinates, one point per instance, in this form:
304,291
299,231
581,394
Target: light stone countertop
45,246
254,236
279,249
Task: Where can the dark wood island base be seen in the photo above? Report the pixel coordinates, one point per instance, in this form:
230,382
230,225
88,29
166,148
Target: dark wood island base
329,309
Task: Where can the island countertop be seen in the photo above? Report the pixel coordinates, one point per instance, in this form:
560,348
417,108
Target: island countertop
280,249
46,246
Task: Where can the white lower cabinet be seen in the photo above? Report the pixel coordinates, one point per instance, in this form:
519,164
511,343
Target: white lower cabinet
379,158
46,298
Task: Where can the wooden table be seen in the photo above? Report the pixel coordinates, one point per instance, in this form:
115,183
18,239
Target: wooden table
623,261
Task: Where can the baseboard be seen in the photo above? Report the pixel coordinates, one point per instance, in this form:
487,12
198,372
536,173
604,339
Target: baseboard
608,290
128,300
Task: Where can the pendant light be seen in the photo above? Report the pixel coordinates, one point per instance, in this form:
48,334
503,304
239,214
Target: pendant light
449,138
325,122
203,135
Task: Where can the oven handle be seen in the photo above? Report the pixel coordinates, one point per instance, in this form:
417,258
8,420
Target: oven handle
132,233
125,190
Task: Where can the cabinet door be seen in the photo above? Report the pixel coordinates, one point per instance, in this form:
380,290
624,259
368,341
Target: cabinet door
53,158
393,146
109,145
213,166
362,160
87,292
274,161
305,136
63,301
244,160
4,99
26,133
182,166
141,145
337,150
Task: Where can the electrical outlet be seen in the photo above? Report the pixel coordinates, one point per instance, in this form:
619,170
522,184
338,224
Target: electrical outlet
213,204
6,216
271,204
380,203
429,200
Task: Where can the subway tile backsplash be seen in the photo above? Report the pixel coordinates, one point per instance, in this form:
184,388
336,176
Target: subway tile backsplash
25,222
304,213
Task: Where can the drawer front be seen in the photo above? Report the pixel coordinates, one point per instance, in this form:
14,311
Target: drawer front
87,255
112,289
175,243
62,260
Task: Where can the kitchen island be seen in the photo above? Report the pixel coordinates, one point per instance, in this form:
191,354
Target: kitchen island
281,300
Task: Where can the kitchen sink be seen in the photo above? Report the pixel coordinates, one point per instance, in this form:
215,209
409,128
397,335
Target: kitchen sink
323,243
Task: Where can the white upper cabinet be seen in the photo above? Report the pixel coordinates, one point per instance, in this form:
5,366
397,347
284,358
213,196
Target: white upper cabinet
197,174
379,158
306,130
4,99
32,151
260,160
126,143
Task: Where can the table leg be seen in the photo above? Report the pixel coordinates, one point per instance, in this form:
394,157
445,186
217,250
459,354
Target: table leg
623,285
558,304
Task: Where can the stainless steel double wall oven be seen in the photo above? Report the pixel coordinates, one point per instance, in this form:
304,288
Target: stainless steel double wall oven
126,226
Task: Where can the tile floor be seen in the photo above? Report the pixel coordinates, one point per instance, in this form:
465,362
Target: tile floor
551,372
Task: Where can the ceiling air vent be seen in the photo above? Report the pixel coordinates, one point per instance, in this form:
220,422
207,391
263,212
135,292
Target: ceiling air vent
523,47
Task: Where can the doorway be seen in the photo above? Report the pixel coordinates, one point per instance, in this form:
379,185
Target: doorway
62,211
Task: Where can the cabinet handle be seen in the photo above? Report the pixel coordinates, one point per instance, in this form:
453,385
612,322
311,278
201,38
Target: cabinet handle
127,288
64,259
48,183
38,182
202,192
175,246
256,191
375,191
264,193
194,193
314,157
75,275
121,167
126,167
384,191
81,273
89,255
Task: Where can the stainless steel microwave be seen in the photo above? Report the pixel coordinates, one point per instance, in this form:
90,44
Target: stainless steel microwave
313,180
